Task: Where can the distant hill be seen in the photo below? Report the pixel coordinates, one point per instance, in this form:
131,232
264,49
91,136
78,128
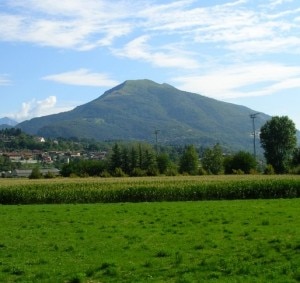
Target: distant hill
135,110
7,123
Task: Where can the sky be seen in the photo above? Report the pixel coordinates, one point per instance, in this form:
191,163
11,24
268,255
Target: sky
56,55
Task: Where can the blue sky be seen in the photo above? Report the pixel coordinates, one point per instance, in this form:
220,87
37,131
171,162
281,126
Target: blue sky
56,55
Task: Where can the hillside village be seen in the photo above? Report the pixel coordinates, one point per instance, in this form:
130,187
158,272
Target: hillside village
45,159
22,159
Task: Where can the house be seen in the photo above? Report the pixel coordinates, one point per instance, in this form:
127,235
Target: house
21,173
40,139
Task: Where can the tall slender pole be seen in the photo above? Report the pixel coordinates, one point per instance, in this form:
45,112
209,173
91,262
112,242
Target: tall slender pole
253,116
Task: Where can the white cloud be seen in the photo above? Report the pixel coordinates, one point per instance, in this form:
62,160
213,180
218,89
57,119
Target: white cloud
274,3
263,46
74,24
38,108
242,80
237,26
82,77
164,56
4,80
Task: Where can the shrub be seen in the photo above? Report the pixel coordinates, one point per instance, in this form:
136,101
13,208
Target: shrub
202,171
49,175
295,170
105,174
118,172
73,175
138,172
238,172
35,174
269,170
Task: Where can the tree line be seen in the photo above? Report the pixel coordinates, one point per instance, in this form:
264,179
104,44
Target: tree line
278,140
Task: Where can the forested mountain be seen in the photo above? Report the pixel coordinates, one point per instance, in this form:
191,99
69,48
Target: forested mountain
145,110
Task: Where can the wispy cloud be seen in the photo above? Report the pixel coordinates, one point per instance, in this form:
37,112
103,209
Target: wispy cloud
74,24
82,77
38,108
275,3
242,80
4,80
163,56
85,25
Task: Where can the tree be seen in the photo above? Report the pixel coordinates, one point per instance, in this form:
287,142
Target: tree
212,160
133,159
242,160
278,139
116,158
296,157
149,163
125,160
35,173
189,161
163,162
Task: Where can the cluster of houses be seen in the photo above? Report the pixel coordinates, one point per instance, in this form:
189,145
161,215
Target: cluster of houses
46,159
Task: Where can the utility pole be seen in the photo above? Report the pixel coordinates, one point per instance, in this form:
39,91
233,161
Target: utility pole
253,117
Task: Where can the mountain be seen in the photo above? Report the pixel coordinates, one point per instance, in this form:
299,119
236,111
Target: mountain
137,109
7,123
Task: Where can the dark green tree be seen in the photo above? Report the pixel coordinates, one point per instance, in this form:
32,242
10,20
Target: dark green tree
242,160
115,158
278,139
212,160
163,162
125,160
189,161
6,164
149,163
133,159
296,157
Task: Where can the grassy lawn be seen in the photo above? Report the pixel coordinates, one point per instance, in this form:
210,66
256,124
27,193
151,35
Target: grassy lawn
208,241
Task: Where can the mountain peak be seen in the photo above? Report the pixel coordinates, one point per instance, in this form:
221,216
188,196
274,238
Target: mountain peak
135,108
131,86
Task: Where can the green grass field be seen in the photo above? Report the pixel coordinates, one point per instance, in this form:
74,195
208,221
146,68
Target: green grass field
205,241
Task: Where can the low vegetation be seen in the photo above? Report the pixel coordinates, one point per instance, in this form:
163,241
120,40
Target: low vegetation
178,188
216,241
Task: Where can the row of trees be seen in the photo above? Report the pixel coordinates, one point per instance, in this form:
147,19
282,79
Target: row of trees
278,139
143,160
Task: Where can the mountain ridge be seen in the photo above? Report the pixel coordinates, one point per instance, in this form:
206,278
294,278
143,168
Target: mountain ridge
134,109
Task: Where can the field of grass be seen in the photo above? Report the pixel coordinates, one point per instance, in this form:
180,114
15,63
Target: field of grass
179,188
205,241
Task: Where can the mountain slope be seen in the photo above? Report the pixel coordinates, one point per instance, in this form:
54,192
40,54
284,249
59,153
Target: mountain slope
133,110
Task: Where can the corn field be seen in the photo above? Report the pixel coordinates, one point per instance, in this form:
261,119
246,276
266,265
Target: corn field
179,188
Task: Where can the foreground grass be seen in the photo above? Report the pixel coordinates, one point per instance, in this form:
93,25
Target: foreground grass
179,188
216,241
